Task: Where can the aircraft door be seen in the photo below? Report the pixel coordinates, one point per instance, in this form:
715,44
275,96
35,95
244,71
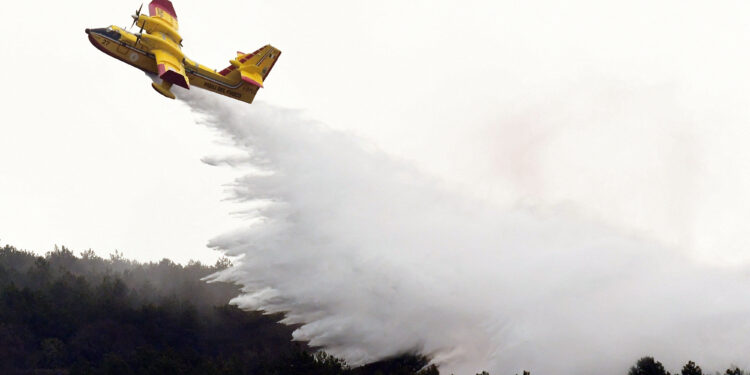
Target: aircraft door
122,49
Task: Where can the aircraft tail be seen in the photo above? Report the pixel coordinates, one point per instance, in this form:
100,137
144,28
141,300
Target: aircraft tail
254,67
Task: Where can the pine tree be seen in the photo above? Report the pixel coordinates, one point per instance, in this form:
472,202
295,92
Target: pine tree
691,369
647,366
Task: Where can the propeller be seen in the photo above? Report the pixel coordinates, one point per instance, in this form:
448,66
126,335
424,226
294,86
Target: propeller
138,36
136,15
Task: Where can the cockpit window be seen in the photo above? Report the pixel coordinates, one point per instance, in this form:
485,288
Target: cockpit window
110,32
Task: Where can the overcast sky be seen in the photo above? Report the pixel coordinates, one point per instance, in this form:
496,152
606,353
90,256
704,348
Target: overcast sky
634,113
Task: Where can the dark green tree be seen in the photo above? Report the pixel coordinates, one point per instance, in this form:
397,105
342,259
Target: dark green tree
691,369
647,366
61,314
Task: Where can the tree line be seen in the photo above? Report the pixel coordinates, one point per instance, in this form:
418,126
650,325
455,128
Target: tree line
650,366
67,314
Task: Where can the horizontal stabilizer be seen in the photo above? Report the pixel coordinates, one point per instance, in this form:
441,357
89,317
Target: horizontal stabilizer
254,67
252,76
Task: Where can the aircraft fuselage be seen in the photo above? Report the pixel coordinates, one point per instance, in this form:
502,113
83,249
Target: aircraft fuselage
121,44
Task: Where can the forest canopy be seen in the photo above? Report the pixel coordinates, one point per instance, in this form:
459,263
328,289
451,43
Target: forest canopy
67,314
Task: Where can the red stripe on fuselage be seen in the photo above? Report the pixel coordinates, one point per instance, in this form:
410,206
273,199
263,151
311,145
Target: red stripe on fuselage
231,68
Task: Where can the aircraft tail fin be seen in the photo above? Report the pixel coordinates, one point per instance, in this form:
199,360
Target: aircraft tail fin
254,67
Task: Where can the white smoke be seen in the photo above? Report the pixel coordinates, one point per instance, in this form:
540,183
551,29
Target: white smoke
374,258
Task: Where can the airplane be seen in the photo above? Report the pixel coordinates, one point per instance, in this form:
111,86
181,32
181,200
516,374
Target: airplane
158,52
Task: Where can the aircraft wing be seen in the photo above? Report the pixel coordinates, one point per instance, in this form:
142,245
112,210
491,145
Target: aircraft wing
165,10
170,68
166,42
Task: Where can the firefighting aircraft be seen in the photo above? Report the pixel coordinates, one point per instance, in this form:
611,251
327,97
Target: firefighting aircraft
158,51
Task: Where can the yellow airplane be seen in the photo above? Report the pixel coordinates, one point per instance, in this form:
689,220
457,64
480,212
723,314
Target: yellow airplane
159,52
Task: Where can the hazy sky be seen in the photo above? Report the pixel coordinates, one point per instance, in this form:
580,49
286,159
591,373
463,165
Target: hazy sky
634,113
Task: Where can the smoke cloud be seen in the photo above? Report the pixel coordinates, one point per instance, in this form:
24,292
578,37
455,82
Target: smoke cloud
375,258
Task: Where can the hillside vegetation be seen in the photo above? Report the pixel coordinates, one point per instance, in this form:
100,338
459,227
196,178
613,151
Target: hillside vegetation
67,314
64,314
